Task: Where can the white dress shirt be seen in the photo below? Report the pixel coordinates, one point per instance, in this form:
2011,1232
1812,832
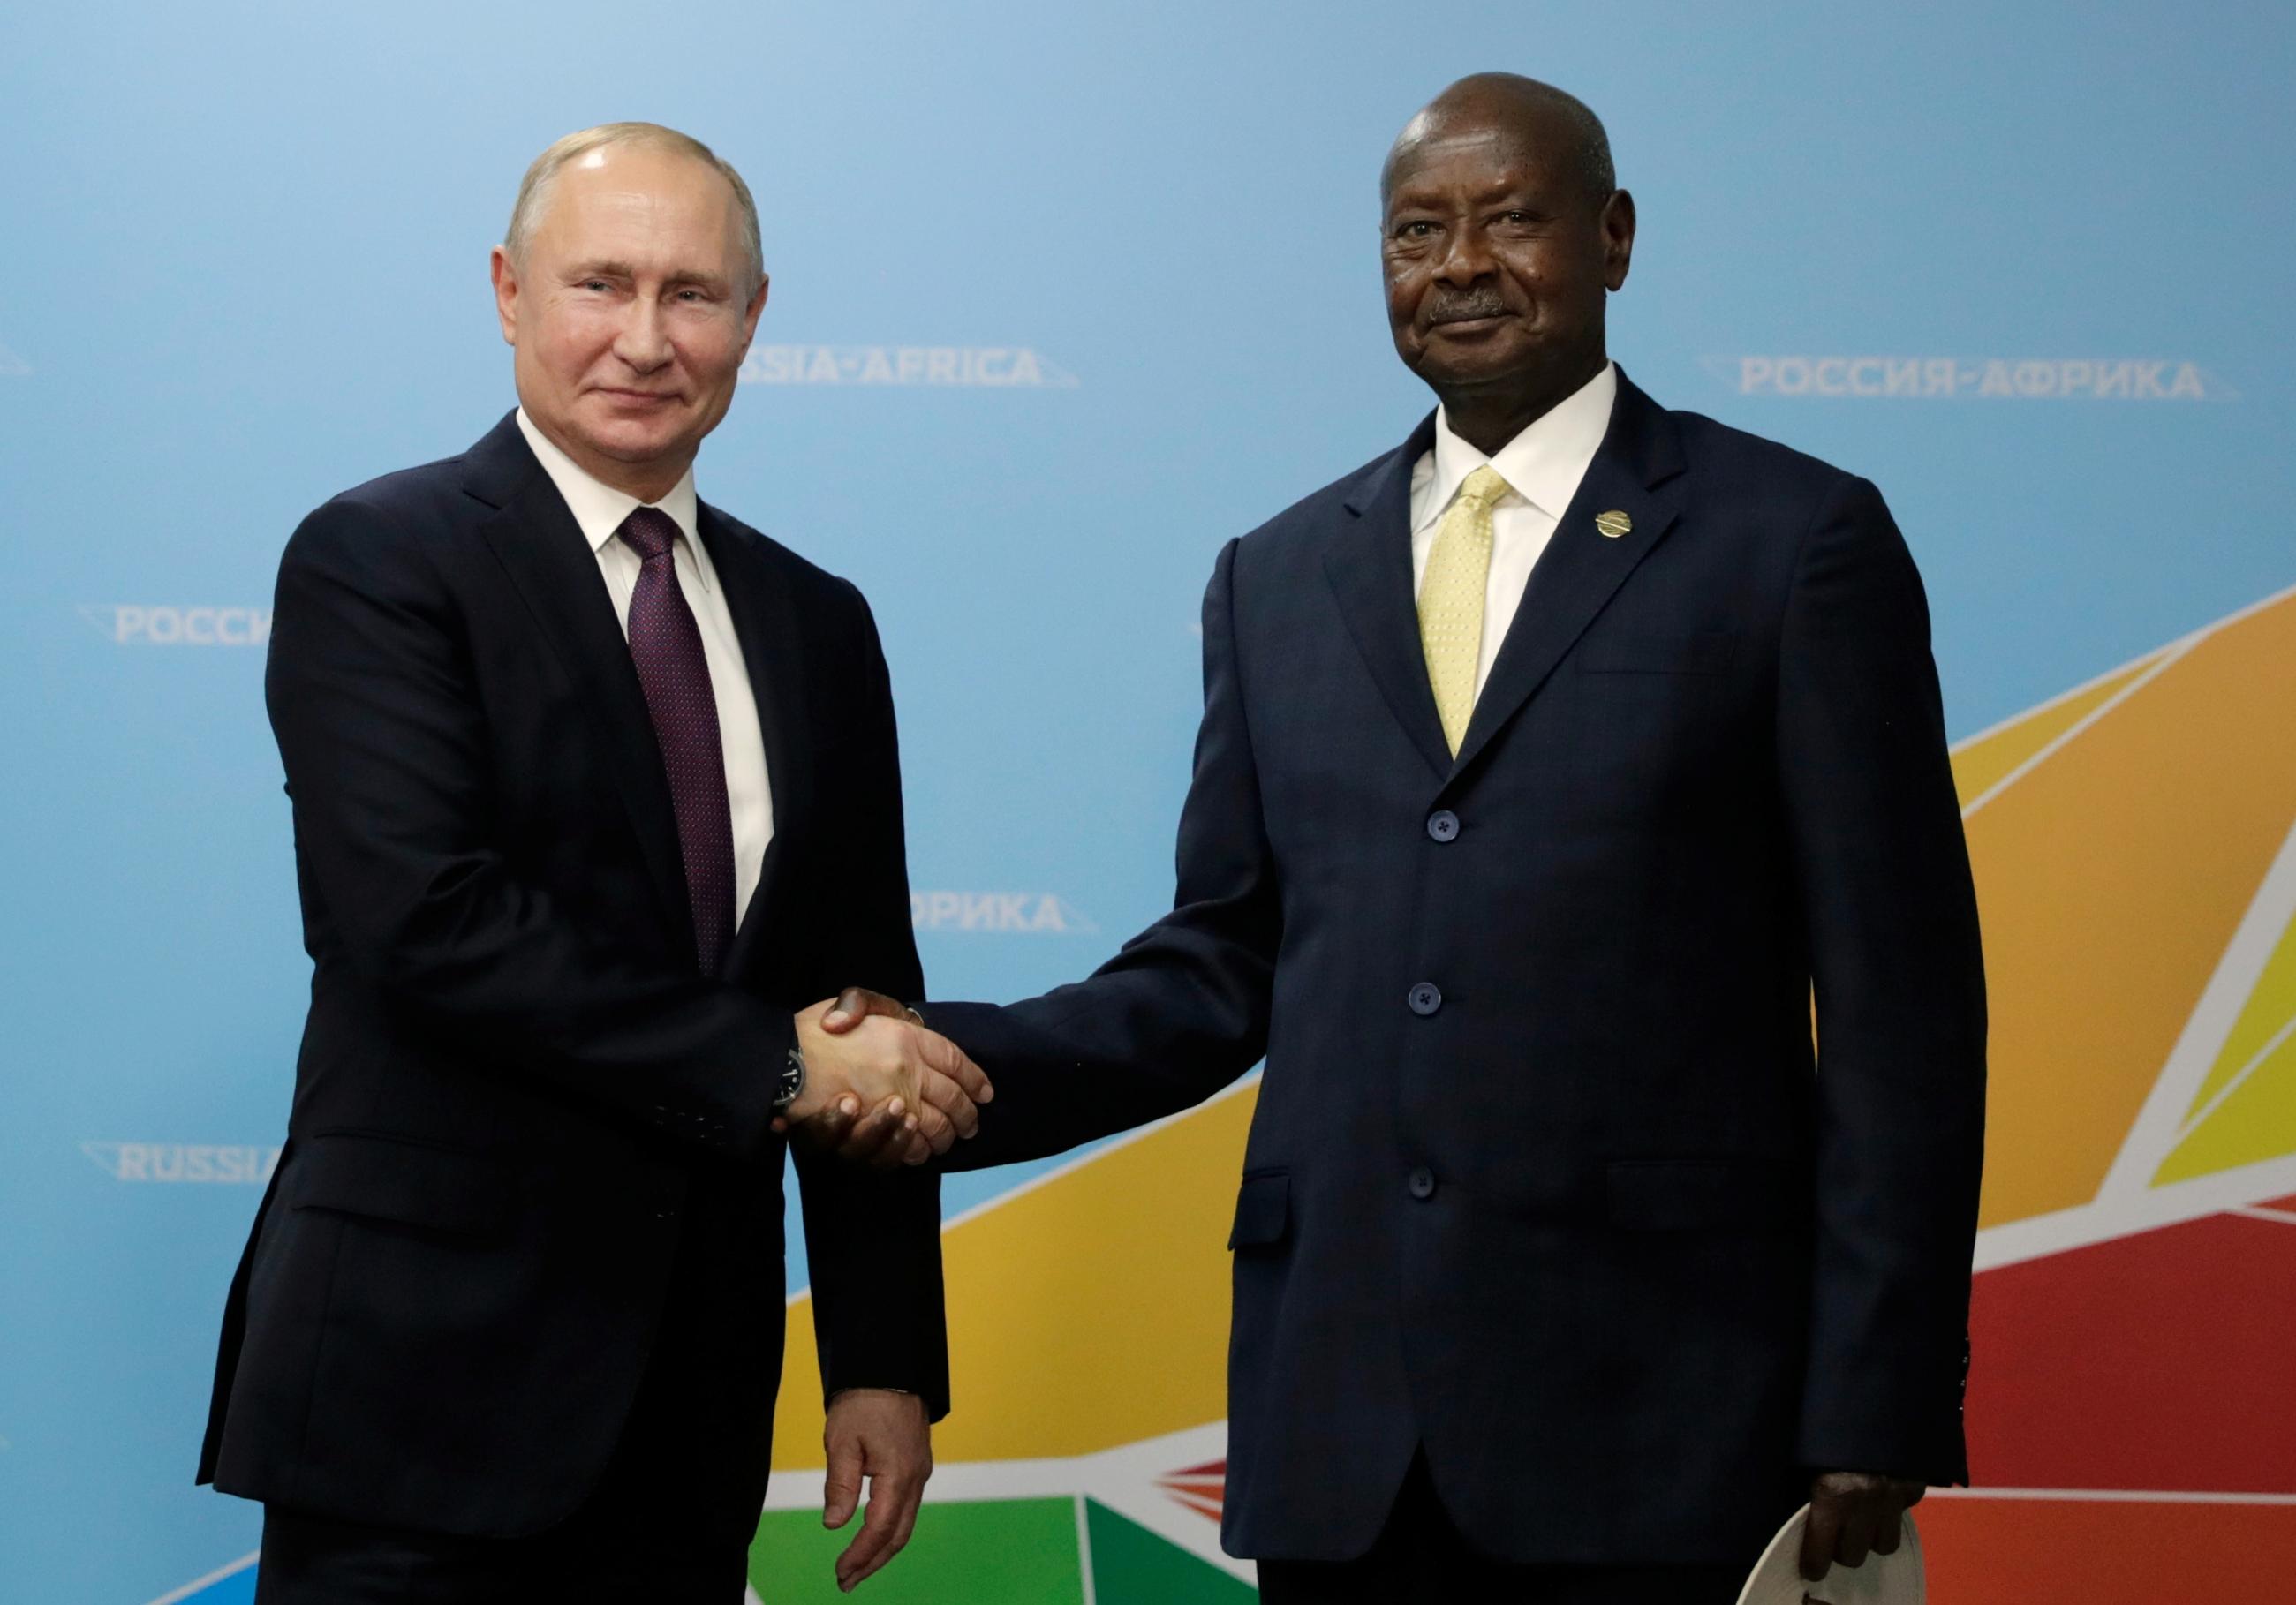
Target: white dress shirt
600,509
1542,467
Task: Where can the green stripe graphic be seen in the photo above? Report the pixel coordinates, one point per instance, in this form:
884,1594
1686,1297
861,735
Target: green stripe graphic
1002,1552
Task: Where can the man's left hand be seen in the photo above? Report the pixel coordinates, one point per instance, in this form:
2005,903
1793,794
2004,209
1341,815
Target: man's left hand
1853,1514
883,1436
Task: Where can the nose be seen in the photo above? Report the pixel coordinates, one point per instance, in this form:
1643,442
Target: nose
643,341
1466,257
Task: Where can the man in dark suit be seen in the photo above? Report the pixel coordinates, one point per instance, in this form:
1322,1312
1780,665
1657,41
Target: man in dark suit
570,752
1547,763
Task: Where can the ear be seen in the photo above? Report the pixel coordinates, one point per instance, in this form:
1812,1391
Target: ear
1617,227
755,310
504,274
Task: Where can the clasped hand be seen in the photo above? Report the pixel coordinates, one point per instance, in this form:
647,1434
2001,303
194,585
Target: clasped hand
880,1088
1853,1514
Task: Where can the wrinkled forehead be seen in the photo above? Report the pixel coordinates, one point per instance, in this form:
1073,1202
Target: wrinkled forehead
1434,153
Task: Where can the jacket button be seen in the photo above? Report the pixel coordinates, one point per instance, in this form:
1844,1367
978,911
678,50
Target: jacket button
1443,825
1426,998
1422,1184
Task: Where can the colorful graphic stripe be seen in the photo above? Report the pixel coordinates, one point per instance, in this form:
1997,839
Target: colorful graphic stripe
2135,847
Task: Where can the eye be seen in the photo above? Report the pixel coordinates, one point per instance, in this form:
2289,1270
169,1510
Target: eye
594,284
1418,228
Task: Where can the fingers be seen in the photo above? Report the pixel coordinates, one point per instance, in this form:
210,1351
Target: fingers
945,1056
1857,1541
842,1489
915,1493
1853,1514
856,1004
1903,1497
883,1531
902,1496
835,1124
831,1128
1819,1535
945,1098
886,1137
934,1125
880,1137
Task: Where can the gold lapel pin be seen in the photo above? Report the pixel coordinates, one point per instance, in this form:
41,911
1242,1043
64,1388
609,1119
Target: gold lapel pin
1614,524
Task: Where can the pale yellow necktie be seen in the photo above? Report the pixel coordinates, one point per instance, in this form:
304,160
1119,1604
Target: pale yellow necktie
1451,600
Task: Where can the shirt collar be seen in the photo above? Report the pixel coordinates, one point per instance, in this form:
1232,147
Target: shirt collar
1544,463
600,509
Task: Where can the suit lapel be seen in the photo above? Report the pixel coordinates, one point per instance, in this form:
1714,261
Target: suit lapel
766,619
1581,568
535,538
1369,569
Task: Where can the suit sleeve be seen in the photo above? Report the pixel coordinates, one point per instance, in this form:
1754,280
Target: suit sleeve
1892,915
873,1239
1182,1010
385,747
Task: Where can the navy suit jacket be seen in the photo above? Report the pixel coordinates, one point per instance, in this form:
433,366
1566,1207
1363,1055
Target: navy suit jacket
1545,1178
515,1087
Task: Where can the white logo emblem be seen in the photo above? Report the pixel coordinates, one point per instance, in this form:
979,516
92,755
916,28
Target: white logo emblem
137,624
1968,379
995,367
184,1161
1030,913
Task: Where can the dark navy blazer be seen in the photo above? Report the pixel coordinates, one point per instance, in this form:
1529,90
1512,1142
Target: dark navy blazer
1545,1178
515,1090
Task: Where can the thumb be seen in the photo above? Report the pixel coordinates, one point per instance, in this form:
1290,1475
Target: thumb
841,1493
856,1004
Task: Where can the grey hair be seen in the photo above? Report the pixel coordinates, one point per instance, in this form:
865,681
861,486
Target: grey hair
534,189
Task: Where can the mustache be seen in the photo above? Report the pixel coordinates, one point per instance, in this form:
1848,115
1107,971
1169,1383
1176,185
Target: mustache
1459,307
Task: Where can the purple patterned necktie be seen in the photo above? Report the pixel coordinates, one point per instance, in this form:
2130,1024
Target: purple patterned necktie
666,645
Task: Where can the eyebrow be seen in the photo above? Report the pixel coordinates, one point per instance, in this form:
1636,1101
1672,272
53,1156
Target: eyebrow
623,270
1522,196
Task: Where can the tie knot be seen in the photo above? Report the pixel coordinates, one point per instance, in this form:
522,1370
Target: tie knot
1482,488
649,531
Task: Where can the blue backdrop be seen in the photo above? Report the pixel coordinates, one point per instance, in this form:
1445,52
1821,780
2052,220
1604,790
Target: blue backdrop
1063,297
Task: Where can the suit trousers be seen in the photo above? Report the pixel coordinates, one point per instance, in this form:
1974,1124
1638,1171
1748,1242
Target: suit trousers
1419,1559
670,1519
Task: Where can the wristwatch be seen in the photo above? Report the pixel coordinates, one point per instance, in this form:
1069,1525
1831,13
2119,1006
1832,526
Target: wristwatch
793,1081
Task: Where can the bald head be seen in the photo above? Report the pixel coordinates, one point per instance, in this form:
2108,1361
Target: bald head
1520,111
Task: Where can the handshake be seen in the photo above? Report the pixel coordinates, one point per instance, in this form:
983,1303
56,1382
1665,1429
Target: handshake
880,1088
